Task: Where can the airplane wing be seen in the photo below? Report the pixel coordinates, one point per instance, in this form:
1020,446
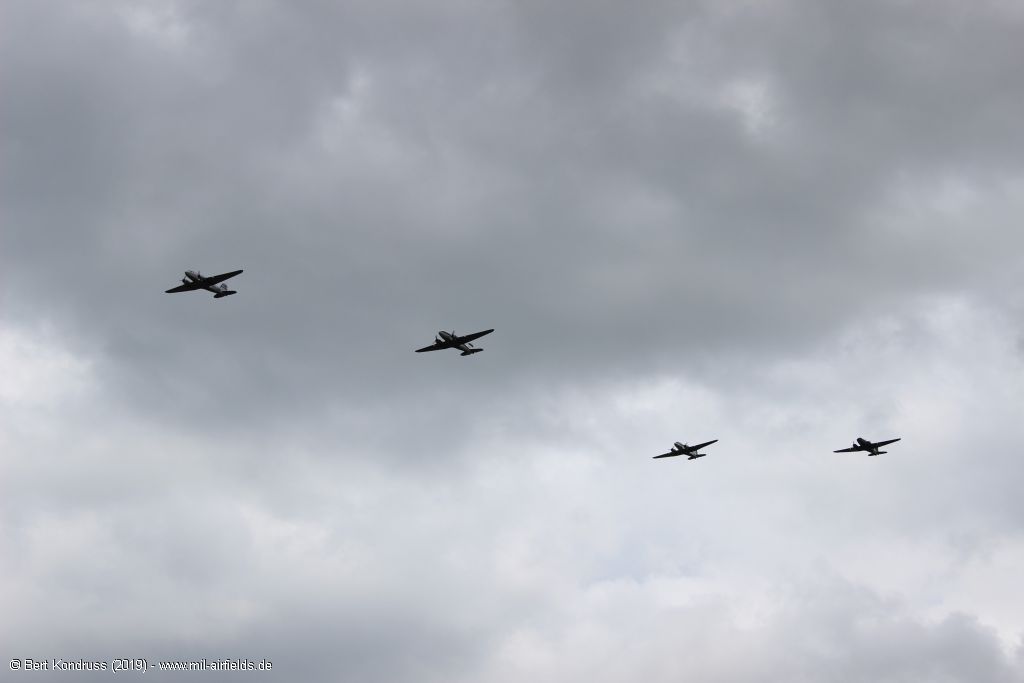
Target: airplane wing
670,454
186,288
476,335
214,279
884,443
699,446
436,346
848,450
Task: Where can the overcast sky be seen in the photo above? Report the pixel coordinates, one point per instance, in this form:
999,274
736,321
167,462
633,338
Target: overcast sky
780,224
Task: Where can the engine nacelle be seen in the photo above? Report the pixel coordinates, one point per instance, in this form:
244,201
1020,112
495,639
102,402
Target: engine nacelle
184,280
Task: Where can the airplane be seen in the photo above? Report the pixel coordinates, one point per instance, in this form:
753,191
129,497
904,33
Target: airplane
683,449
450,340
195,280
866,446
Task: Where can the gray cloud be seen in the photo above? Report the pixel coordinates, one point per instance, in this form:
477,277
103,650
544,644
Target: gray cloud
784,226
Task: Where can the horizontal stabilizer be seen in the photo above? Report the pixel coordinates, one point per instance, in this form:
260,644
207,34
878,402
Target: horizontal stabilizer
228,292
469,352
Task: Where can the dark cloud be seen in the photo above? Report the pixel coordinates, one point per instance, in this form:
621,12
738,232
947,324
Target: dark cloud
783,225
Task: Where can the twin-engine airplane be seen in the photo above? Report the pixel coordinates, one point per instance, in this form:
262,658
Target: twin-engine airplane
450,340
867,446
195,280
689,451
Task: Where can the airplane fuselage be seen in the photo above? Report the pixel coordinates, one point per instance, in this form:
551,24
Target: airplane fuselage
683,449
196,276
692,452
453,341
866,445
450,340
194,281
870,447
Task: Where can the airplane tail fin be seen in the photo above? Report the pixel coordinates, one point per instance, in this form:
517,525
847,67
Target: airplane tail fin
469,352
227,292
